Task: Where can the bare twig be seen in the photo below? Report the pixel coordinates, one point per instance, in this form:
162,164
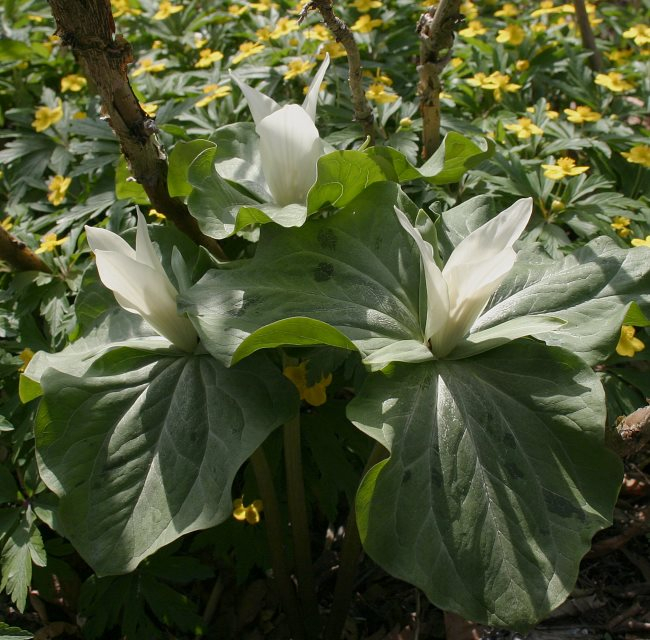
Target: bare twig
343,34
587,35
87,27
18,255
436,32
631,433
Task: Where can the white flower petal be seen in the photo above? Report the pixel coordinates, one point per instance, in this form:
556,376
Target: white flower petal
260,105
140,289
289,147
144,251
479,263
104,240
437,294
311,100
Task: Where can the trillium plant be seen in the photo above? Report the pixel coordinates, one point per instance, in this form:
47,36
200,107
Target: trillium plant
460,352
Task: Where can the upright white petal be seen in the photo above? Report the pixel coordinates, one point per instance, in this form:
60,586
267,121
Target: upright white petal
260,105
479,263
311,100
140,284
289,147
437,293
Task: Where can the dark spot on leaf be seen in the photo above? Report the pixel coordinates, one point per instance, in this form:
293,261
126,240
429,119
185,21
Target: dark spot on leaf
562,507
509,441
436,476
406,477
327,239
513,470
324,271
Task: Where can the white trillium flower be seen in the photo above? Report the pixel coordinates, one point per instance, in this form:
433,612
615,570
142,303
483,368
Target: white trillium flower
289,141
139,282
457,294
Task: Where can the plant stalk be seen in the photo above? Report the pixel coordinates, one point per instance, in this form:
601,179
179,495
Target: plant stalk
349,563
587,35
273,526
300,524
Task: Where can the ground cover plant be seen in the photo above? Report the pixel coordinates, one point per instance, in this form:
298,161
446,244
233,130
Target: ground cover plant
309,309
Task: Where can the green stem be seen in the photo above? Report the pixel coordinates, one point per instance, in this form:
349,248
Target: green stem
349,562
300,524
273,526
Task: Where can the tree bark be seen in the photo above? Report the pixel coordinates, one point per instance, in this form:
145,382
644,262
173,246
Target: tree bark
18,255
587,35
87,27
436,32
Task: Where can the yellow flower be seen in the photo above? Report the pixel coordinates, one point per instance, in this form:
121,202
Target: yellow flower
297,67
546,8
157,215
377,93
628,345
456,62
263,34
538,27
80,115
57,188
563,167
158,44
45,117
49,243
7,223
366,24
207,58
73,82
283,27
363,6
236,10
640,242
620,224
315,394
513,34
263,5
468,9
640,154
246,50
213,92
149,108
522,65
317,32
613,81
509,10
123,8
25,355
147,65
405,123
474,28
640,33
334,49
200,41
525,128
166,9
619,55
582,114
250,514
496,82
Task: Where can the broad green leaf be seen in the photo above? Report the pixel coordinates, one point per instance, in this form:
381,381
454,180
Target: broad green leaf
357,271
497,478
126,188
590,290
238,158
459,221
401,351
180,158
8,486
292,331
454,157
21,548
342,175
222,210
155,454
8,632
636,317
